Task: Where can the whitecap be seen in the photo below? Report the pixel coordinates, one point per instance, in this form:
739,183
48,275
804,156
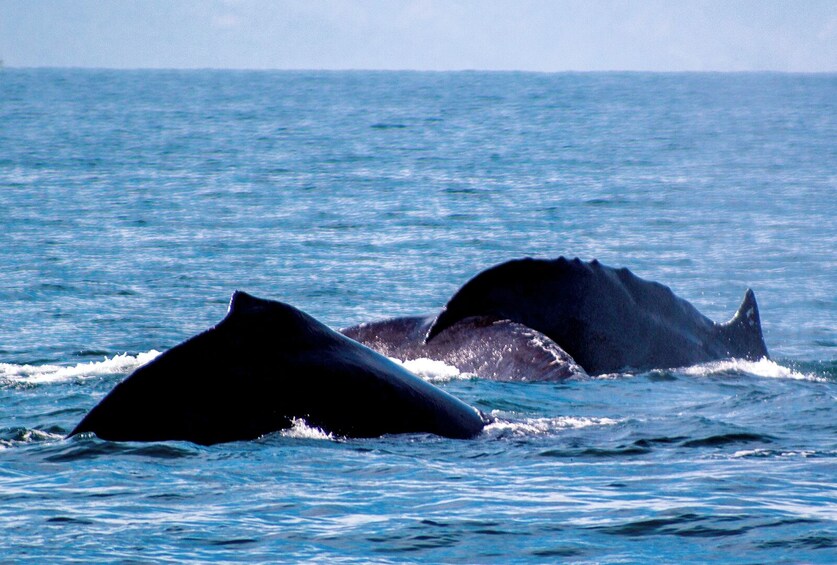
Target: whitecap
45,374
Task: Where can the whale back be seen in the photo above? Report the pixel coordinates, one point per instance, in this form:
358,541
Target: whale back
263,366
607,319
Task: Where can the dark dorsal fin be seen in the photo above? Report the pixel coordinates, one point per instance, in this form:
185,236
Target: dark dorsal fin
241,302
743,331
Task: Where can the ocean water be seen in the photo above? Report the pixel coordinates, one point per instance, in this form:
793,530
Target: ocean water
132,204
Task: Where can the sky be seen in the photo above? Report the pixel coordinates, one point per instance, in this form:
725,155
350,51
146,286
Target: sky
526,35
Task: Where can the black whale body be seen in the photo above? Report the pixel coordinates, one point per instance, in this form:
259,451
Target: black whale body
607,319
536,319
264,365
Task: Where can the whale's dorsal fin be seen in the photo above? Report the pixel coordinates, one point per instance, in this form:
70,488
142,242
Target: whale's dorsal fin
241,302
748,312
743,331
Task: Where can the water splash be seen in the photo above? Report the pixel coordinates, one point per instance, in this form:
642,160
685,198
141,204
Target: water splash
22,436
46,374
301,430
542,426
432,370
761,368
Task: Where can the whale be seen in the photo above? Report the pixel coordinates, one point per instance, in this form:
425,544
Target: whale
606,319
262,368
483,346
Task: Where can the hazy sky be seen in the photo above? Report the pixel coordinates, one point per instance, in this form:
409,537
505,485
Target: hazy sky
658,35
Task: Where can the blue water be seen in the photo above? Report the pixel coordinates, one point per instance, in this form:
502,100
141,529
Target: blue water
132,203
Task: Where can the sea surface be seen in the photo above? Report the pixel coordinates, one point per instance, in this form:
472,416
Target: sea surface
133,203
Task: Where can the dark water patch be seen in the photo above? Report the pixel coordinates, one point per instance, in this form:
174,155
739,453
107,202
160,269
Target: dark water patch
427,522
87,448
53,287
235,541
162,451
384,126
620,451
417,543
648,442
813,540
69,520
461,190
599,202
683,525
64,412
93,353
727,439
169,496
461,217
433,534
559,552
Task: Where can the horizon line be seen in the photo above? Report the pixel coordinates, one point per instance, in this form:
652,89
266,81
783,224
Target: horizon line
4,66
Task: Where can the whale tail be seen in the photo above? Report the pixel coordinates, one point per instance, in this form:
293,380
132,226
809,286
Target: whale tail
743,332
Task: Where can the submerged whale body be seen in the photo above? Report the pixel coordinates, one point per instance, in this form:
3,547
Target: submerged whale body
263,366
606,319
497,349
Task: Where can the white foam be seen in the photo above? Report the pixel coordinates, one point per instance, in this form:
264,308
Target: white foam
44,374
432,370
544,426
761,368
301,430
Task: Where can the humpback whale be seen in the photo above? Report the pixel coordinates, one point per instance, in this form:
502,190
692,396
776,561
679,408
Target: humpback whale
263,366
538,319
607,319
